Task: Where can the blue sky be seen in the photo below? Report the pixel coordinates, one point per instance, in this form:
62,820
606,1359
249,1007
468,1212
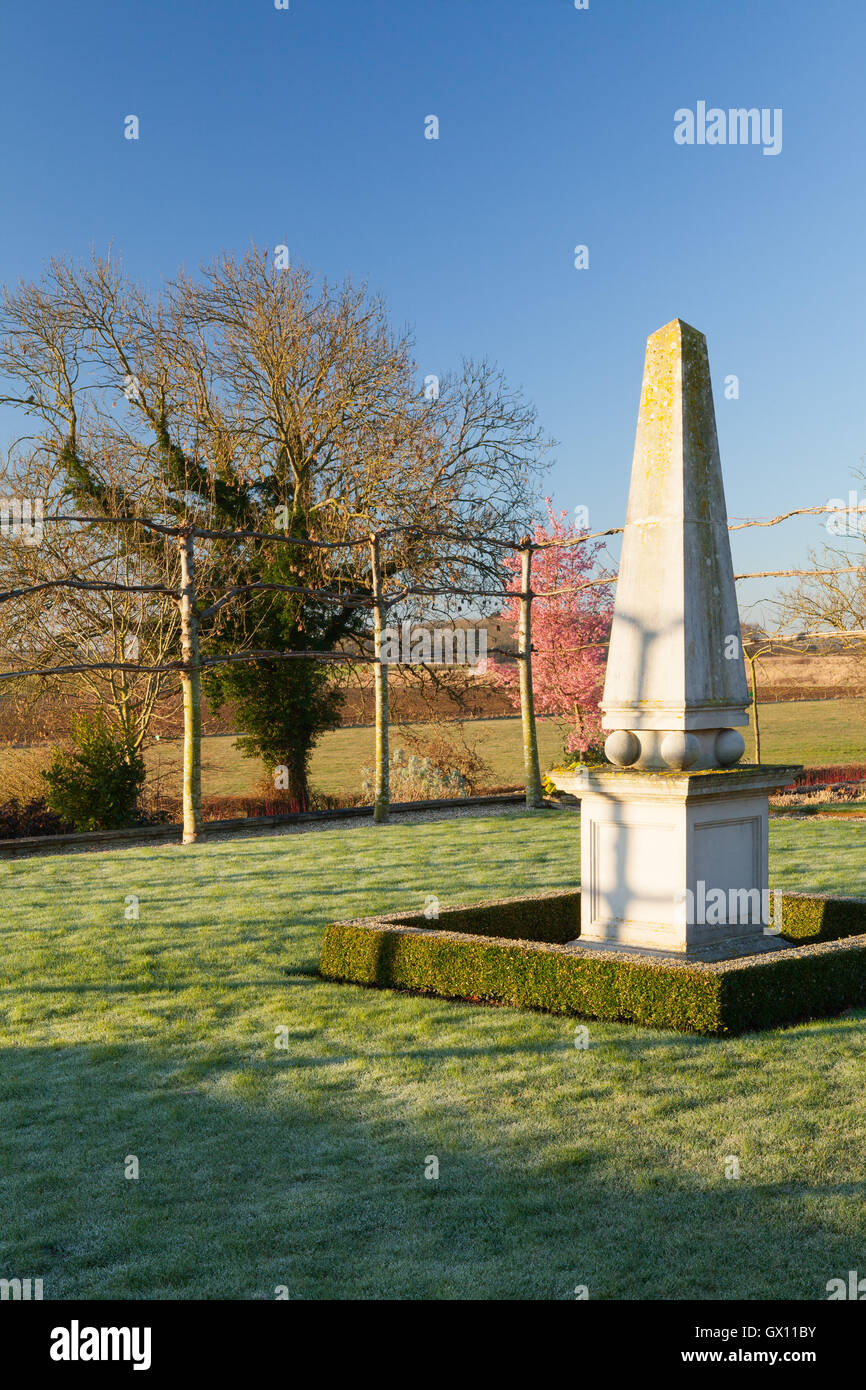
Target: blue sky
306,126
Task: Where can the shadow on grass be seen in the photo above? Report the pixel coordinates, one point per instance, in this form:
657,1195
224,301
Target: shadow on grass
266,1171
168,986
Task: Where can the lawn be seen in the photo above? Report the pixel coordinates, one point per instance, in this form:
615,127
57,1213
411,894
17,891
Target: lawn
304,1167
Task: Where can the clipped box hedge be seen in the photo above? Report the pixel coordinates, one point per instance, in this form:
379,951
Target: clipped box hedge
513,952
808,917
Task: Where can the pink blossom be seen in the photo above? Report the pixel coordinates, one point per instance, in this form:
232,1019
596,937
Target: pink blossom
567,661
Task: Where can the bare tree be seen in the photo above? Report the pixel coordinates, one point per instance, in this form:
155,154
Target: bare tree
756,644
89,595
832,598
252,399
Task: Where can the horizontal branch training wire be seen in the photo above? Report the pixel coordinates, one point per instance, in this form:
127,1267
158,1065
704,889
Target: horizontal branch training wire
354,599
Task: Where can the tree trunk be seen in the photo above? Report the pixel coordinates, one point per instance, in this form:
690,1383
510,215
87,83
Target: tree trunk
531,771
295,786
382,789
191,684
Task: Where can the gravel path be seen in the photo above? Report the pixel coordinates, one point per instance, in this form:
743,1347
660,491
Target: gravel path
300,828
366,823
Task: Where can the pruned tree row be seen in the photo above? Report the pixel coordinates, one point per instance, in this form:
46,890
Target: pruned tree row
244,486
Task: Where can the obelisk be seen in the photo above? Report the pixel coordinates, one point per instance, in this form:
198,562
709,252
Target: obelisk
675,677
674,825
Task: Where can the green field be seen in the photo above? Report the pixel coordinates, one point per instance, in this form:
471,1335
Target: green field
304,1167
812,732
816,733
339,756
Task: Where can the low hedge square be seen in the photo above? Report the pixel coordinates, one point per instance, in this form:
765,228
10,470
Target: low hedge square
514,952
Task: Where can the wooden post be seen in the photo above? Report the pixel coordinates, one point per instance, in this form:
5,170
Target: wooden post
753,671
531,771
382,788
191,683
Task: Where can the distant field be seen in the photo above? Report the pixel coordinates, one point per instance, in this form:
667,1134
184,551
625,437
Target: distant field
339,756
811,732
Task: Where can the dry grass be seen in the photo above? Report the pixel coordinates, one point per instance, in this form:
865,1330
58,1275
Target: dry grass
22,770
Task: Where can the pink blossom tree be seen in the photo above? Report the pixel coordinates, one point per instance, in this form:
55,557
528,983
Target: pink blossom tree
568,630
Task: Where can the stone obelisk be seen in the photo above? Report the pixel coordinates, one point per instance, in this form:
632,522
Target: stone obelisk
674,826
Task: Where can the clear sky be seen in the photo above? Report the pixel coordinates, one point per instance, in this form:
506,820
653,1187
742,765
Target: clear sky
306,126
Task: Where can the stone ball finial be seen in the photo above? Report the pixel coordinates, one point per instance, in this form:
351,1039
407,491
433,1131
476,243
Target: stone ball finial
622,748
680,750
730,746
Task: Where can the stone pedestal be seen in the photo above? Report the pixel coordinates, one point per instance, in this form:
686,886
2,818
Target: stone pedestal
674,861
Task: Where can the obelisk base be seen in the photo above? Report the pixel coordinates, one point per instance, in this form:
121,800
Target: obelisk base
675,861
